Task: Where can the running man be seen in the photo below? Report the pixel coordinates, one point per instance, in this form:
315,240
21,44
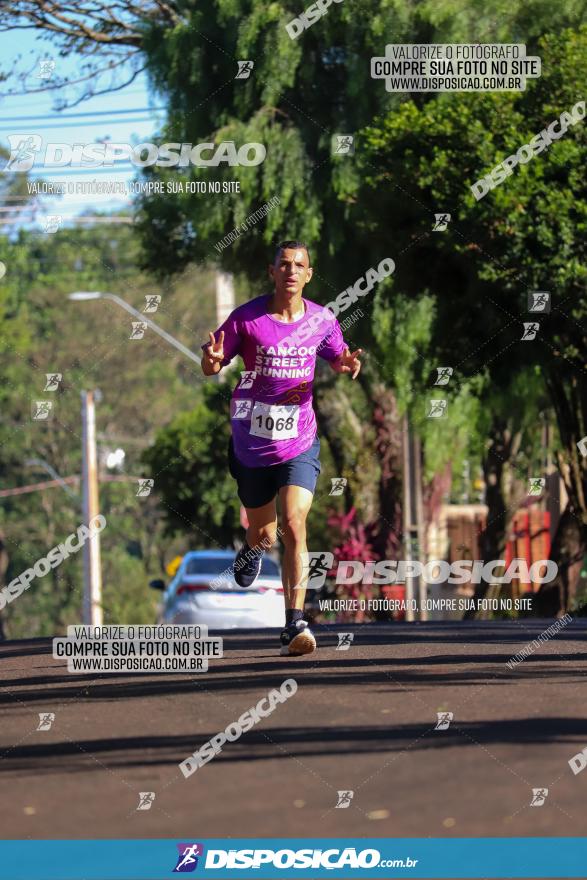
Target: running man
274,449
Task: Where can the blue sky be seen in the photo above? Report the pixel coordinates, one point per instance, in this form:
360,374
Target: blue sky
20,114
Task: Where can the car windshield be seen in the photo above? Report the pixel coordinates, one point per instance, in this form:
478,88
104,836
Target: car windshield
220,564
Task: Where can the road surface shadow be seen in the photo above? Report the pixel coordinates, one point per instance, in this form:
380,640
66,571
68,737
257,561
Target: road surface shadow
270,743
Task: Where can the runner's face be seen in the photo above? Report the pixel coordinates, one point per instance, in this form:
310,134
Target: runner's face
290,272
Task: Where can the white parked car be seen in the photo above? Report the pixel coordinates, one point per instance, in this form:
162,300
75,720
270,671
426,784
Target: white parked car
204,591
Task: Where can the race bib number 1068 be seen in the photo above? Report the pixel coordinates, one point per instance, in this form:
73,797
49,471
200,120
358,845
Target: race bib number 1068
275,422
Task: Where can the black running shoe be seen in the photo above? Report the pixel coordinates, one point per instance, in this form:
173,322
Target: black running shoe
297,638
247,565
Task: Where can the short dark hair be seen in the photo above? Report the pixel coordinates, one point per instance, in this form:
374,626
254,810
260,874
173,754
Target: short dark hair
292,245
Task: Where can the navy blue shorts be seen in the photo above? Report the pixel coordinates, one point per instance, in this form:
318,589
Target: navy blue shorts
259,485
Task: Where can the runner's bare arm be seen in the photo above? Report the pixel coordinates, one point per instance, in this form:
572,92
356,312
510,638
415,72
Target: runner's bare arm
213,354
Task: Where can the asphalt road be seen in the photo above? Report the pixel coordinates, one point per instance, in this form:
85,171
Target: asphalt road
362,720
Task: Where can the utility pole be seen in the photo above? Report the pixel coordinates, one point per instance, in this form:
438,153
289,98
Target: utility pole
92,602
224,306
413,518
418,506
407,516
224,296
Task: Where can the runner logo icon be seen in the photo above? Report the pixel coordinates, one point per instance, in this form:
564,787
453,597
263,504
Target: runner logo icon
241,409
338,485
46,719
247,379
444,719
531,328
444,374
23,148
344,799
244,69
539,795
187,859
539,301
316,566
441,222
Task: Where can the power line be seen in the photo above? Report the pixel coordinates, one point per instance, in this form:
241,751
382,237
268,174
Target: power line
80,115
90,123
6,96
95,220
126,167
51,484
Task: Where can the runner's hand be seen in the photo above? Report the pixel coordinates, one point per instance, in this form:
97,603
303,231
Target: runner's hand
213,353
348,362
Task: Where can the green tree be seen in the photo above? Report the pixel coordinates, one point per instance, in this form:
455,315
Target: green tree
327,198
188,462
527,234
143,384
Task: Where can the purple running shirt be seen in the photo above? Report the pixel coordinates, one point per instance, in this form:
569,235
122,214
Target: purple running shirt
271,408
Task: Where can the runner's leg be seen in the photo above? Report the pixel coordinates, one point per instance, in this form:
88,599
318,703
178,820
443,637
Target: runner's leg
295,503
262,530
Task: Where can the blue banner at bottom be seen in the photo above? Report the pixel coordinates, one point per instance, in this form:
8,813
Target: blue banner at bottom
271,858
